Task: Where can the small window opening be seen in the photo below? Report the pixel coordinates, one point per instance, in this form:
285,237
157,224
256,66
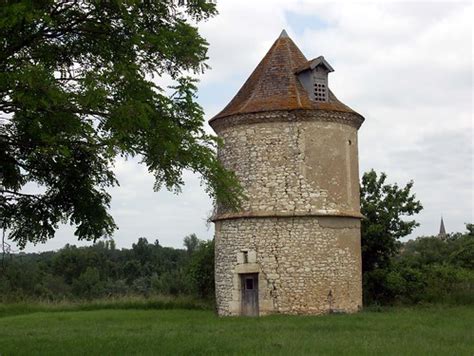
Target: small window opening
246,256
248,283
319,91
349,142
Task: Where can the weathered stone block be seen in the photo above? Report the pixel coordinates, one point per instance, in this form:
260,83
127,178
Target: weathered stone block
297,162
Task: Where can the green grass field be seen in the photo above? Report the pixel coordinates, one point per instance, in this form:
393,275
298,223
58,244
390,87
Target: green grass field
397,331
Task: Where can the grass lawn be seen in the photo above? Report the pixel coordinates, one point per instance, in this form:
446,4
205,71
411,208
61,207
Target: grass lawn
398,331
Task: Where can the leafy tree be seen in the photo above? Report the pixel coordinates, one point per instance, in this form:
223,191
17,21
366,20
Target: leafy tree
457,250
131,270
142,250
464,255
470,229
70,262
191,243
384,206
89,284
425,250
53,287
172,282
201,270
77,90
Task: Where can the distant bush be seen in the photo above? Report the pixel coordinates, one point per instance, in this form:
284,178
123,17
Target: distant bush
427,270
99,271
170,283
117,287
201,270
89,284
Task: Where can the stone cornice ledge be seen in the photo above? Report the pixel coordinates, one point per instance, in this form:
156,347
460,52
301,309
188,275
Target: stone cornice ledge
265,214
348,118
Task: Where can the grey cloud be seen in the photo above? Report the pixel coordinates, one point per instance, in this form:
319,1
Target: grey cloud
406,67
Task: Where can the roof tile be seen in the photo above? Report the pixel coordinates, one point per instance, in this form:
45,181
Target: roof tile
273,85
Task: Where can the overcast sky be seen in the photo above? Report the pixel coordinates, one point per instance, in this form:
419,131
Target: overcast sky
406,67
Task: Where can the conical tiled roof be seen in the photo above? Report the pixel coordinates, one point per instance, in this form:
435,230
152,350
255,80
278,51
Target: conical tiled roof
273,85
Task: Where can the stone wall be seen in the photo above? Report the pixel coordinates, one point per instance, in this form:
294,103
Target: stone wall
294,167
306,265
300,225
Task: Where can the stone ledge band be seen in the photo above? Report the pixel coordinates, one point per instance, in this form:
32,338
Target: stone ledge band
257,215
347,118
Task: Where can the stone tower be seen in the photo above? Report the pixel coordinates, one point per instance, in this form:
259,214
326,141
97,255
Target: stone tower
294,247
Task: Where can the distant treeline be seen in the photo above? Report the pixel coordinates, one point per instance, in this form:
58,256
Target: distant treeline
102,270
426,270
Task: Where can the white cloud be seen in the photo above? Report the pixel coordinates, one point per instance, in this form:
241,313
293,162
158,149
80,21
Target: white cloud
407,67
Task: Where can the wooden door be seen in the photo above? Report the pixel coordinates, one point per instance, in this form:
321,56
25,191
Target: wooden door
249,287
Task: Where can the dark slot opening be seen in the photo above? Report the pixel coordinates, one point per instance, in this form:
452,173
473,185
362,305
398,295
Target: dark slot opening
249,283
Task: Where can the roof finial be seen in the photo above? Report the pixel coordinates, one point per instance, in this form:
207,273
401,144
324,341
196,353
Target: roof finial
283,34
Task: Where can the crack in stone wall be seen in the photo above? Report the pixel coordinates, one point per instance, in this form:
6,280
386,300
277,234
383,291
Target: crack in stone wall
282,172
300,261
306,265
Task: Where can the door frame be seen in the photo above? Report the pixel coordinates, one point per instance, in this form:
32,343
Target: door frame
243,278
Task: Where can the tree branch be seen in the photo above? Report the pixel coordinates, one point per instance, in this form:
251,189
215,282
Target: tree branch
5,191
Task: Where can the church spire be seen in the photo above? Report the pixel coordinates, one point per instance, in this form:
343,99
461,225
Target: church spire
442,230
